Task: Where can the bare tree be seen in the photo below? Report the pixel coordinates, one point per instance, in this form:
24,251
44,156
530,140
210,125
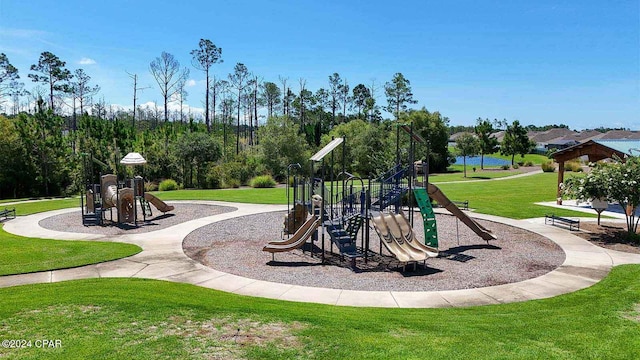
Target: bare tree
204,57
283,80
82,92
166,70
181,93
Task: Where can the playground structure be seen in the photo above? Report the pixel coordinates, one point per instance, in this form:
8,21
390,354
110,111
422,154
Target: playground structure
344,207
100,198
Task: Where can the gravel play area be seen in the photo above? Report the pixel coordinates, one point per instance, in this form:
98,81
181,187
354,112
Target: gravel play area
466,261
72,222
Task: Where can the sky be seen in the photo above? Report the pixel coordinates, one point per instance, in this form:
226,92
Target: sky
540,62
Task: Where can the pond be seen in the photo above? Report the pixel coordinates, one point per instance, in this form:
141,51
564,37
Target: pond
488,161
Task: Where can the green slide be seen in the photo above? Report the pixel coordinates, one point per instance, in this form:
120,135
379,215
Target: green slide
428,217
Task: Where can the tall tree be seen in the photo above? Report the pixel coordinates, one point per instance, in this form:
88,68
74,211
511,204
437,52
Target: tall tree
271,95
52,73
360,95
41,136
8,74
399,94
515,141
335,84
204,57
488,142
467,145
166,70
433,127
239,79
345,99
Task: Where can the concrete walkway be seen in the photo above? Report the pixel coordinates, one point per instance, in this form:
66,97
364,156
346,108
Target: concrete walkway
162,258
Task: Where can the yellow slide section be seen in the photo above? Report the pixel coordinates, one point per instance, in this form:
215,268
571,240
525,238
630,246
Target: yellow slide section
297,240
159,204
437,195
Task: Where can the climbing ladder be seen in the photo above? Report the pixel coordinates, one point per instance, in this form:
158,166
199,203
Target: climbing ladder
428,217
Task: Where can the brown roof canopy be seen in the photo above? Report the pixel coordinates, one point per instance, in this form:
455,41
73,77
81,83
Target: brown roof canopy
593,150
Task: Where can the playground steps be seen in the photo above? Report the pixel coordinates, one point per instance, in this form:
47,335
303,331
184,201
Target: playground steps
341,238
94,218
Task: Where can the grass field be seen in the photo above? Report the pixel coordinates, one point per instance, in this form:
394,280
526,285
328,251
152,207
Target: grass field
144,319
23,255
512,198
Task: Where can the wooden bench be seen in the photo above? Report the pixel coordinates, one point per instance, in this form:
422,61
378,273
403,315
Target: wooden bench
7,214
553,219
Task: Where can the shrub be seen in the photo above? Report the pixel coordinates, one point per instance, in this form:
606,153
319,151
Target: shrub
528,163
150,186
549,166
520,163
214,178
231,183
573,166
168,185
516,166
505,167
263,181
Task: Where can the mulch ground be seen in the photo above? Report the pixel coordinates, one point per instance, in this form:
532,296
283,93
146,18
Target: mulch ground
609,235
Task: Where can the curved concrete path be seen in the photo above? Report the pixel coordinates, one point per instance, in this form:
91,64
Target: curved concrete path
162,258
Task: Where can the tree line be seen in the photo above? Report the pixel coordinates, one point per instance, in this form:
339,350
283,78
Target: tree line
42,150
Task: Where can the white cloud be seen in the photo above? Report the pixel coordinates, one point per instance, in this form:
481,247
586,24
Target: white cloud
86,61
191,83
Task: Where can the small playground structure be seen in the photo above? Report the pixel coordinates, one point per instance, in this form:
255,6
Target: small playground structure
108,193
345,207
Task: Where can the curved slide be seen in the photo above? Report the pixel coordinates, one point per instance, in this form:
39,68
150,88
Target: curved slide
410,237
159,204
297,240
436,194
400,240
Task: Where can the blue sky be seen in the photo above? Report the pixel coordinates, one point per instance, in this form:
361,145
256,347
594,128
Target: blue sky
542,62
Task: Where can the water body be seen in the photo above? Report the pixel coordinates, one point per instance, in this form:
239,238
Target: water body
488,161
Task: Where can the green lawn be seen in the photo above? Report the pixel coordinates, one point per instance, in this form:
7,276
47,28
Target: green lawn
458,175
145,319
29,208
23,255
512,198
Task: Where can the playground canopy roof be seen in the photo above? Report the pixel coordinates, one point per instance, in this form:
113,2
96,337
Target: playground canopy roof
327,149
133,158
595,150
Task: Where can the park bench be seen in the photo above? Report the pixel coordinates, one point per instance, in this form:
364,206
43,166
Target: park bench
464,205
7,214
553,219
